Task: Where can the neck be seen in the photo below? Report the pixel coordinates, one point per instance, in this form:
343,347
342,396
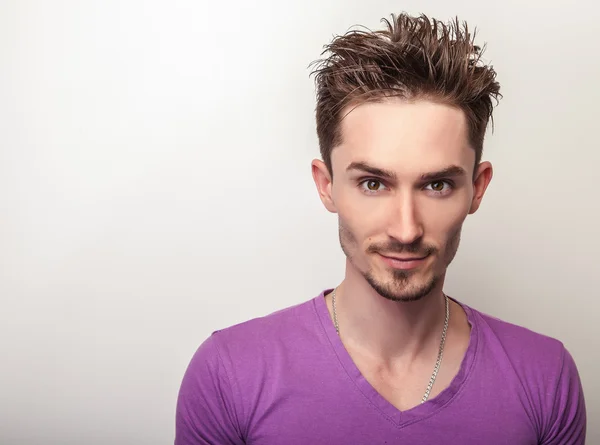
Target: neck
388,330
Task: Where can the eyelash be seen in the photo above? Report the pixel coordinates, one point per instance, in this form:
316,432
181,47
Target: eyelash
450,185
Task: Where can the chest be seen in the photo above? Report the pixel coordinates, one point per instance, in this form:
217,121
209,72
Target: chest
352,419
406,386
406,391
360,406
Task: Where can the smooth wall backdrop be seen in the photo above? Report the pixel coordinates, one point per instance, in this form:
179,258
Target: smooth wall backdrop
155,186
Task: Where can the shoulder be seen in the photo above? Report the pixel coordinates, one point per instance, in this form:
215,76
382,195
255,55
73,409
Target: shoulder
522,345
546,371
534,358
537,359
252,350
259,332
228,372
253,338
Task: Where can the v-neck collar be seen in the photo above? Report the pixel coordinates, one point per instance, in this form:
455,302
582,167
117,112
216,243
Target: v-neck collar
389,411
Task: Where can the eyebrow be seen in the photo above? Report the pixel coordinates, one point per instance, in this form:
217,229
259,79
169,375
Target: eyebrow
375,171
448,172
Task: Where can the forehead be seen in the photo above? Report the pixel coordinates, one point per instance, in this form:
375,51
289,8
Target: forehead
406,137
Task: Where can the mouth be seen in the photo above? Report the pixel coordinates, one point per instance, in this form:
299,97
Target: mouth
403,262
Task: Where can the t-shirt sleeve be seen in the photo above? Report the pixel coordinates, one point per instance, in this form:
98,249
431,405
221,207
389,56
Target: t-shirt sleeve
567,425
206,413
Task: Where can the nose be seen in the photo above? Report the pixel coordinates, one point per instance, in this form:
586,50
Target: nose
405,223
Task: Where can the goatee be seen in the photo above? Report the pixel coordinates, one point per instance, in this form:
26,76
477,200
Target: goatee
399,287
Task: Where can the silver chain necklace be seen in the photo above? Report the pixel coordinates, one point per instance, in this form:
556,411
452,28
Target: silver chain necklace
438,363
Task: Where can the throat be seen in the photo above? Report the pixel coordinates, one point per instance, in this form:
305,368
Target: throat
405,368
390,330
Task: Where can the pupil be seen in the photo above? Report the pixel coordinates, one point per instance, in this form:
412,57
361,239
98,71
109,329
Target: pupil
372,185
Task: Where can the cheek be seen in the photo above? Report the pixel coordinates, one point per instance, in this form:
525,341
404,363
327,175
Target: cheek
354,229
363,217
443,220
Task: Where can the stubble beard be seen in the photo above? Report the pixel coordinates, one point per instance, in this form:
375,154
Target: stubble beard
399,287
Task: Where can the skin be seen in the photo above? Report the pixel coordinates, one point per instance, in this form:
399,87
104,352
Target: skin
404,181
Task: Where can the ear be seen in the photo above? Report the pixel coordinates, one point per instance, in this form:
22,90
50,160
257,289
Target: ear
483,176
324,182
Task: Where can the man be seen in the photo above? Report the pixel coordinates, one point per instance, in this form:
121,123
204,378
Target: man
386,356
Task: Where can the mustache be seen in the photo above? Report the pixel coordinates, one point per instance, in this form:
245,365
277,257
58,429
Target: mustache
396,247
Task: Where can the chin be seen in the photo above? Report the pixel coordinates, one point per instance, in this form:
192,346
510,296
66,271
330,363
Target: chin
403,287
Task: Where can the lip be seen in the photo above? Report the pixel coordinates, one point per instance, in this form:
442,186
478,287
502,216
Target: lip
403,263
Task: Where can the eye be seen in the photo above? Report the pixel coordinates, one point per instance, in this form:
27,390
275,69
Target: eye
439,187
372,185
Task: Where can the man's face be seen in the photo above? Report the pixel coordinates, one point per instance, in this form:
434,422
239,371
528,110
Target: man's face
402,187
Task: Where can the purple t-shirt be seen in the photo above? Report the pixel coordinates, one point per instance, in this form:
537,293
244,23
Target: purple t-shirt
287,378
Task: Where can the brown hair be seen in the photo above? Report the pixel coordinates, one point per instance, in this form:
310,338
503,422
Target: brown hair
414,58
